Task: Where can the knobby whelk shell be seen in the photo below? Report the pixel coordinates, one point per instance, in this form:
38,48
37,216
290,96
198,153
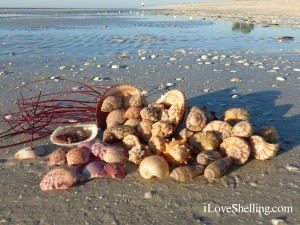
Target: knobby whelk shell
177,152
115,118
110,103
154,166
217,168
237,148
203,141
162,129
185,133
269,133
207,157
184,173
242,129
220,128
196,119
235,115
130,141
262,150
122,131
137,153
157,145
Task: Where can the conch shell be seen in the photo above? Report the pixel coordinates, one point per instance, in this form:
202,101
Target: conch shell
162,129
144,129
115,118
202,141
242,129
207,157
196,119
269,133
262,150
184,173
138,153
220,128
110,103
185,133
237,148
235,115
217,168
157,145
177,152
154,166
122,131
130,141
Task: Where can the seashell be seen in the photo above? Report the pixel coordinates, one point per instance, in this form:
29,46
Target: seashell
133,122
185,133
87,144
144,130
174,114
94,169
235,115
57,157
157,105
133,112
60,178
115,118
137,153
29,153
202,141
153,166
206,157
137,100
91,131
122,91
177,152
122,131
130,141
157,145
111,103
269,133
220,128
78,156
262,150
108,136
217,168
162,129
115,170
110,153
196,119
150,113
184,173
237,148
242,129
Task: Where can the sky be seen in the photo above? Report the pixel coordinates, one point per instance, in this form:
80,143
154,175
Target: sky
88,3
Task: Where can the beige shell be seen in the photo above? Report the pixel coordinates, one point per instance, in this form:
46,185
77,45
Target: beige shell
220,128
154,166
242,129
115,118
138,153
162,129
137,100
235,115
262,150
185,133
133,112
196,119
150,113
133,122
122,131
60,178
157,145
115,154
144,130
130,141
29,153
174,114
269,133
57,157
121,90
177,152
108,136
184,173
78,156
111,103
217,168
207,157
237,148
202,141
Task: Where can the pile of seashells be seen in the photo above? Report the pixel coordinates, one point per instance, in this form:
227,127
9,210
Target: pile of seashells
145,134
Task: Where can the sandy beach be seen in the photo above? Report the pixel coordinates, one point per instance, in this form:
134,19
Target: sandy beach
261,77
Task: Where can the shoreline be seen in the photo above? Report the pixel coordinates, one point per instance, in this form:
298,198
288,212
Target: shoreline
269,13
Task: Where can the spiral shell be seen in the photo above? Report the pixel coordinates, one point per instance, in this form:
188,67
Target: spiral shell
153,166
150,113
108,136
78,156
144,130
177,152
111,103
184,173
269,133
217,168
94,169
115,118
137,100
206,140
242,129
133,122
133,112
196,119
115,170
57,157
130,141
262,150
60,178
237,148
157,145
207,157
220,128
162,129
138,153
122,131
235,115
185,133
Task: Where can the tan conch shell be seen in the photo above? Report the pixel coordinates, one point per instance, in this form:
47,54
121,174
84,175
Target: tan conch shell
123,91
115,118
133,112
130,141
269,133
57,157
111,103
217,168
262,150
184,173
59,178
144,129
137,100
206,140
242,129
122,131
162,129
177,152
133,122
207,157
196,119
154,166
150,113
30,153
235,115
78,156
157,145
108,136
220,128
237,148
138,153
185,133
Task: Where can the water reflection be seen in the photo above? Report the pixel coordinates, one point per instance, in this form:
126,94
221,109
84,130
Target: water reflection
245,28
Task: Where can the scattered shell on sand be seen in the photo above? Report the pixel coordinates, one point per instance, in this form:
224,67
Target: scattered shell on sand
28,153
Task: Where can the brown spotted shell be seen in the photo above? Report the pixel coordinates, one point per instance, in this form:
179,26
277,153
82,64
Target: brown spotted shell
269,133
157,145
154,166
202,141
262,150
236,148
162,129
242,129
220,128
206,157
138,153
133,122
137,100
235,115
150,113
196,119
177,152
184,173
217,168
133,112
122,131
78,156
57,157
110,103
120,90
130,141
115,118
108,136
59,178
144,129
